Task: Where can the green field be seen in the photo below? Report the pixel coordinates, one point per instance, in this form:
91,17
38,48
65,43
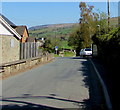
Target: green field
64,44
51,32
58,31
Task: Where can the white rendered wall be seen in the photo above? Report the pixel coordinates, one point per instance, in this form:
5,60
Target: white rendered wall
4,31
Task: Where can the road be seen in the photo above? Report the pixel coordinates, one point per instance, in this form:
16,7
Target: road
63,83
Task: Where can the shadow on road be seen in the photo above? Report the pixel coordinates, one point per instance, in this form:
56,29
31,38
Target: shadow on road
32,106
25,106
96,98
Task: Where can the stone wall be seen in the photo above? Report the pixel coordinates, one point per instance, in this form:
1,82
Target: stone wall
9,69
10,49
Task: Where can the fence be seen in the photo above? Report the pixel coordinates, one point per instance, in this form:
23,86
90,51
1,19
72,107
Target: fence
30,50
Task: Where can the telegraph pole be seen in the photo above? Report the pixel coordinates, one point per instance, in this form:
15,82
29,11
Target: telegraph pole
108,6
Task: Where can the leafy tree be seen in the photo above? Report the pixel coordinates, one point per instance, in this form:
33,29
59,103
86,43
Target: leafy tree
76,40
90,24
81,37
50,44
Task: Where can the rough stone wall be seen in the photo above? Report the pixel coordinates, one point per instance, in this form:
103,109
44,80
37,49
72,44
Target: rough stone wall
15,67
10,49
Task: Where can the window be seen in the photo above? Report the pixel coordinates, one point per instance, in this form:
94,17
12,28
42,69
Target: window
88,49
12,42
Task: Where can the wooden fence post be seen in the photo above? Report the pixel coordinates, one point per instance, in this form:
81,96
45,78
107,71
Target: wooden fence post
29,50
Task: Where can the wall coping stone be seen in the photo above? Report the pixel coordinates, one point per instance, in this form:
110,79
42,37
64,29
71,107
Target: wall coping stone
18,62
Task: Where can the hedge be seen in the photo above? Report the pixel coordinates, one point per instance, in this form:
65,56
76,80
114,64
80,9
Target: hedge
109,47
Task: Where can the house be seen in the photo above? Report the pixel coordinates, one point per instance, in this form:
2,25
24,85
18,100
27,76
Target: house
41,41
9,41
22,30
31,39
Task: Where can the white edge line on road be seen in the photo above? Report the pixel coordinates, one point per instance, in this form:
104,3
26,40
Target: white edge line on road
107,98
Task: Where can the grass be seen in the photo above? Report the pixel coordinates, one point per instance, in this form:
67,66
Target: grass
69,54
55,55
50,32
64,44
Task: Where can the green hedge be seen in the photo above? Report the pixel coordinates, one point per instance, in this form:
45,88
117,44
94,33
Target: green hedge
109,47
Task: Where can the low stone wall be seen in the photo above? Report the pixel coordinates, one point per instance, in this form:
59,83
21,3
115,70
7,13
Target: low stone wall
11,68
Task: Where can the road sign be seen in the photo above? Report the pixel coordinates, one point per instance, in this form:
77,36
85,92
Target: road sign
56,47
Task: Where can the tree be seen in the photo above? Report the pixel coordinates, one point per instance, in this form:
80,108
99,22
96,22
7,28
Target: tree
90,24
81,37
50,44
76,40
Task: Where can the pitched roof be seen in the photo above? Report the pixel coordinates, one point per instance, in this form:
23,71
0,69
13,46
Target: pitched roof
31,39
20,29
8,24
7,20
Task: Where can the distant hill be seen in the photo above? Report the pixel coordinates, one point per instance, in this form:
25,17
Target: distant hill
114,21
58,30
51,30
66,25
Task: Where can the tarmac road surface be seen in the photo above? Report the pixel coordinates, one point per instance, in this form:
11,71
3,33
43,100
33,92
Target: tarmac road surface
64,83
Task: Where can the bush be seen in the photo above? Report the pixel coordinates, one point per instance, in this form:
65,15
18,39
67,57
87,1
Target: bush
109,47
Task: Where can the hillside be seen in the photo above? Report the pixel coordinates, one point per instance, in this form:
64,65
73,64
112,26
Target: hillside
53,30
51,26
58,30
114,21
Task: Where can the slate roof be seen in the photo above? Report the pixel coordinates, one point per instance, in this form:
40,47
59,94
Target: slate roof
20,29
8,25
31,39
7,20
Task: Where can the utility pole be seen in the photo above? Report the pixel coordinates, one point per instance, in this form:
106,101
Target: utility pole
108,6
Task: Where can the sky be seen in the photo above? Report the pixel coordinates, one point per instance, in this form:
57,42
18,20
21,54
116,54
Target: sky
41,13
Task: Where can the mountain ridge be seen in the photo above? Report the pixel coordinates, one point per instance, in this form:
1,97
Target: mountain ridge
59,30
65,25
113,20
